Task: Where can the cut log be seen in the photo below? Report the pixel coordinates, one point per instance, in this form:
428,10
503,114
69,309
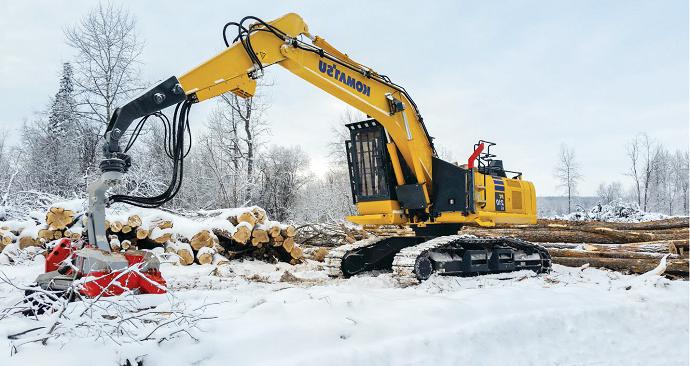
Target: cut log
142,233
260,215
160,236
672,223
58,218
649,247
163,224
184,251
134,221
127,245
46,234
288,244
116,226
274,229
601,254
289,231
57,234
126,229
205,255
26,241
243,232
259,236
316,254
541,235
247,217
115,244
631,265
203,238
75,236
296,252
7,239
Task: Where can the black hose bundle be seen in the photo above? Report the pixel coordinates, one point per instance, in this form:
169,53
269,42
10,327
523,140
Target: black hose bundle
174,144
261,26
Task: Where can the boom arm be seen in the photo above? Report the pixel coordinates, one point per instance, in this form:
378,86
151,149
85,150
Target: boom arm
328,69
263,44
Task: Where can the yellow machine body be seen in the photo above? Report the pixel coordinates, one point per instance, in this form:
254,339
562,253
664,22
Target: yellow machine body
407,143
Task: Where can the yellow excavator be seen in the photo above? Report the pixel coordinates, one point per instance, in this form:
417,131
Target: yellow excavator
395,173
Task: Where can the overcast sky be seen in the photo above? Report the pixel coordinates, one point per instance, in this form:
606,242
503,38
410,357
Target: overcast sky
529,75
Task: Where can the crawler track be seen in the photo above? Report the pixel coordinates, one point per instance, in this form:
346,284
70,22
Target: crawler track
413,259
408,263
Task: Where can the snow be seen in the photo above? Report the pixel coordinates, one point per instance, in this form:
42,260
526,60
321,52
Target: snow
617,211
296,315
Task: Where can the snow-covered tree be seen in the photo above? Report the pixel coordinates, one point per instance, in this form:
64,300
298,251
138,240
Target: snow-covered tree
609,192
283,173
50,146
325,199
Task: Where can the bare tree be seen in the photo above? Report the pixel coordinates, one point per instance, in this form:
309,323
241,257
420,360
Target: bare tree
247,113
107,70
339,134
641,151
568,173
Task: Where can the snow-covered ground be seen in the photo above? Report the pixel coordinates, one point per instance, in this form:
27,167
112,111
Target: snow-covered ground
616,211
294,315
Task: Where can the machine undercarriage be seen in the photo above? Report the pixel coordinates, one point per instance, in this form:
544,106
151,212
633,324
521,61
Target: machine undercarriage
414,259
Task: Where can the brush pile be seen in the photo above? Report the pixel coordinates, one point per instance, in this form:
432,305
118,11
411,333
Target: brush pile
208,237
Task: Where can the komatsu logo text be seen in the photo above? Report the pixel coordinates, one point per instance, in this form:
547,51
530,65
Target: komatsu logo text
333,71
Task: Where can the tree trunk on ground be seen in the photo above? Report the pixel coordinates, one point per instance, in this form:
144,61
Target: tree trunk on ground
632,265
597,254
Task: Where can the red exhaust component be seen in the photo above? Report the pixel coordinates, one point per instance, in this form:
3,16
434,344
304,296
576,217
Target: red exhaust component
475,154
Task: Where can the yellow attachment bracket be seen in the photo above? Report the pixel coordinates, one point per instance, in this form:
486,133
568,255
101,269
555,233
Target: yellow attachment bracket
241,85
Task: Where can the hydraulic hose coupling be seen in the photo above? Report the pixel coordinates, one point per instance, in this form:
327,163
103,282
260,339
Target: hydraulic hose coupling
117,162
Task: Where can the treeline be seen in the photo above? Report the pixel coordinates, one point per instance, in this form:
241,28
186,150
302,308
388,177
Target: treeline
230,164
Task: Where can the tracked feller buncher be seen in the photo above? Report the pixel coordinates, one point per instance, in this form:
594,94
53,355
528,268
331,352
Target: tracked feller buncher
396,175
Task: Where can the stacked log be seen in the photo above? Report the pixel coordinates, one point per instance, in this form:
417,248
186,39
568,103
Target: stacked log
625,247
212,238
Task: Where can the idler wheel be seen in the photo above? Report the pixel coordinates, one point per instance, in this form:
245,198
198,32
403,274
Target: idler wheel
423,268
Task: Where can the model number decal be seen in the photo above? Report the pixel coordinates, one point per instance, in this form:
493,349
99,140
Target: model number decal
500,201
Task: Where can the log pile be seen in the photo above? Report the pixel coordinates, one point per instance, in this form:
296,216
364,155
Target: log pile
625,247
210,238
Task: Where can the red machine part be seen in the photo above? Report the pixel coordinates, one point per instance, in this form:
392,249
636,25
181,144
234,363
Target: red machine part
110,283
115,283
63,250
473,157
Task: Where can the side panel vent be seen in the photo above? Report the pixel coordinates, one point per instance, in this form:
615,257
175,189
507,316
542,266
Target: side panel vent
517,200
